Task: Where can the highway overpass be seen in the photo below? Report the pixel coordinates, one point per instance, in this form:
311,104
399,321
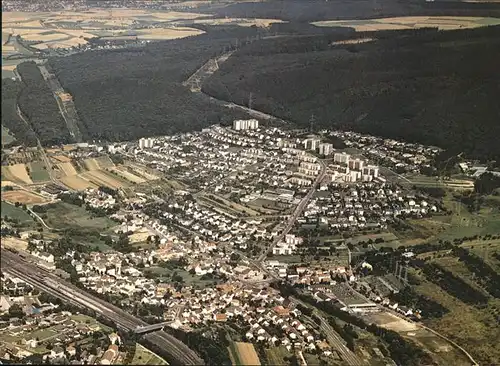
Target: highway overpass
176,352
151,328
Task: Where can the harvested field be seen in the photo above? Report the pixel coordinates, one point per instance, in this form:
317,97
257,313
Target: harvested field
69,147
129,176
243,354
100,178
8,67
14,243
263,23
61,158
104,162
441,22
139,237
8,48
43,37
168,33
8,183
67,168
77,183
23,197
66,43
91,164
16,173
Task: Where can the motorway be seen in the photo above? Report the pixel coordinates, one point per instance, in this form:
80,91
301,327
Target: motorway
179,353
298,211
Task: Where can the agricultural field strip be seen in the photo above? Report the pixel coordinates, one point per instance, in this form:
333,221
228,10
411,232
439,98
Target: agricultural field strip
77,183
101,178
23,197
17,173
129,176
442,22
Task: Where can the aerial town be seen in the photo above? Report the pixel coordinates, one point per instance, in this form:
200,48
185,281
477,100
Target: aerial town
212,230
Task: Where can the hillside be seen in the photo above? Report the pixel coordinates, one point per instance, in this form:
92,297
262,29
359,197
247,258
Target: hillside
438,88
314,10
10,118
130,93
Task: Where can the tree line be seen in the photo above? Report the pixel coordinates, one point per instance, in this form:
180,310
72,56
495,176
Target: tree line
408,297
453,285
485,275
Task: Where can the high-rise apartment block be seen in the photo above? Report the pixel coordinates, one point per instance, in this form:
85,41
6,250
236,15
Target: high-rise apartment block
245,124
311,144
146,143
325,149
341,158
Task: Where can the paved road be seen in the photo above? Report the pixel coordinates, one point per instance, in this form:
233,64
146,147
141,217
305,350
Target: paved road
41,220
298,211
178,352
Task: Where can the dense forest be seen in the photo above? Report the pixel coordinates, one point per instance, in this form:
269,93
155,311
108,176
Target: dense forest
130,93
38,104
311,10
10,118
437,88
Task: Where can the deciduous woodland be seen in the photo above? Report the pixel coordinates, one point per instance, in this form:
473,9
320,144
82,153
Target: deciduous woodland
129,93
438,88
38,104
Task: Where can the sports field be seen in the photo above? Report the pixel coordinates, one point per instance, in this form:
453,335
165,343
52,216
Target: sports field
23,197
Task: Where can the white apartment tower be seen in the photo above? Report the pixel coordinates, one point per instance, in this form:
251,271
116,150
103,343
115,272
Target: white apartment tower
325,149
341,158
311,144
142,143
356,164
248,124
146,143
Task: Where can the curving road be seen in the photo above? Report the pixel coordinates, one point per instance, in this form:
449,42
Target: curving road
178,352
296,213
